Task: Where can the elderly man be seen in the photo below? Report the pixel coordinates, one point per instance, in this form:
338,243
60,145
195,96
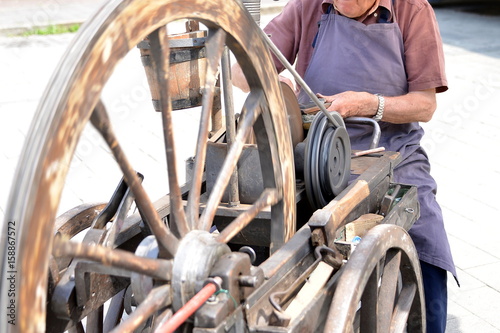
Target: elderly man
380,59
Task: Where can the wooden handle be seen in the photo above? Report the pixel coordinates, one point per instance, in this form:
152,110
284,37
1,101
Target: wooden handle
339,209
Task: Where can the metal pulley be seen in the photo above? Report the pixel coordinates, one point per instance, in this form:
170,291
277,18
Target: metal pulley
327,161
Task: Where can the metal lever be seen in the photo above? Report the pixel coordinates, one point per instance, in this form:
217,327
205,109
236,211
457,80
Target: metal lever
368,121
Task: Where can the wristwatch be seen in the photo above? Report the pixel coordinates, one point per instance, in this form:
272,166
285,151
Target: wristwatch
380,109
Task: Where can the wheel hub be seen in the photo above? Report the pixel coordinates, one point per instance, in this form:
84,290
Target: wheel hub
195,257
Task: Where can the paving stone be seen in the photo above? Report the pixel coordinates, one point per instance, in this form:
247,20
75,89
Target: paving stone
467,282
483,302
469,323
468,256
484,274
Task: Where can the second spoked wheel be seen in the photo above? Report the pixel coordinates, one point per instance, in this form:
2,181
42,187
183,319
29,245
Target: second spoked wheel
73,99
380,288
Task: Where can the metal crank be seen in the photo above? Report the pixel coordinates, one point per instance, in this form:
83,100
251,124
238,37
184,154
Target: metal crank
91,284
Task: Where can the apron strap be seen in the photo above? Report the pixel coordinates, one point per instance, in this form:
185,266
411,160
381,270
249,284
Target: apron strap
384,17
328,11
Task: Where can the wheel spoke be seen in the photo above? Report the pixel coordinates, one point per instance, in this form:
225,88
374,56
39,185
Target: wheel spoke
162,318
268,198
403,307
157,268
166,239
234,197
251,111
160,48
388,288
215,48
115,311
156,299
95,320
78,328
369,306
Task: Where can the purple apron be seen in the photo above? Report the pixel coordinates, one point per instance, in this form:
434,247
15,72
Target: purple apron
350,55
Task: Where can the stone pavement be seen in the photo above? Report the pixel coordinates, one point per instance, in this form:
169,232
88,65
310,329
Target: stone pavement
21,15
462,139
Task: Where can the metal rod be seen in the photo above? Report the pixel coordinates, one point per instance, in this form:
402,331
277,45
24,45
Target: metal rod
214,49
234,196
159,48
190,307
249,115
268,198
156,268
158,298
368,152
166,240
299,79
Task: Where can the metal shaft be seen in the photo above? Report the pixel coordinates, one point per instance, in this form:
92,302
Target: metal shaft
299,80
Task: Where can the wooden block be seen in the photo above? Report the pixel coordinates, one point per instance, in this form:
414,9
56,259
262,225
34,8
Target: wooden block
311,287
360,226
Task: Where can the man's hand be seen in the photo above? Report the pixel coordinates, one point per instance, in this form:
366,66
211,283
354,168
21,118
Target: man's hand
412,107
352,104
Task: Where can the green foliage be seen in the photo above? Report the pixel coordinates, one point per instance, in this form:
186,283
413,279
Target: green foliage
53,30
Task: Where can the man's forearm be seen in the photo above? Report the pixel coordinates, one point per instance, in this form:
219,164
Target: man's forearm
414,106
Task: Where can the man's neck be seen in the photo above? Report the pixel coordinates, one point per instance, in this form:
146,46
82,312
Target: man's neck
370,11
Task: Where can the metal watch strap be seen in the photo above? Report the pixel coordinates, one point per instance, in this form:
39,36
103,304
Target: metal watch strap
380,109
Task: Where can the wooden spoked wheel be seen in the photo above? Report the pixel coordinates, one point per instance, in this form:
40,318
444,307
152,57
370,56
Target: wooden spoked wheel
380,288
73,99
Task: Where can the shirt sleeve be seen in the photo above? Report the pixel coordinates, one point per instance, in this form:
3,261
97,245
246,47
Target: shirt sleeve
293,31
424,55
284,31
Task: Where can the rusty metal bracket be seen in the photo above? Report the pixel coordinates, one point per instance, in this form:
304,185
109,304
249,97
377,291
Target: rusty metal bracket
277,299
406,210
91,278
239,280
388,199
